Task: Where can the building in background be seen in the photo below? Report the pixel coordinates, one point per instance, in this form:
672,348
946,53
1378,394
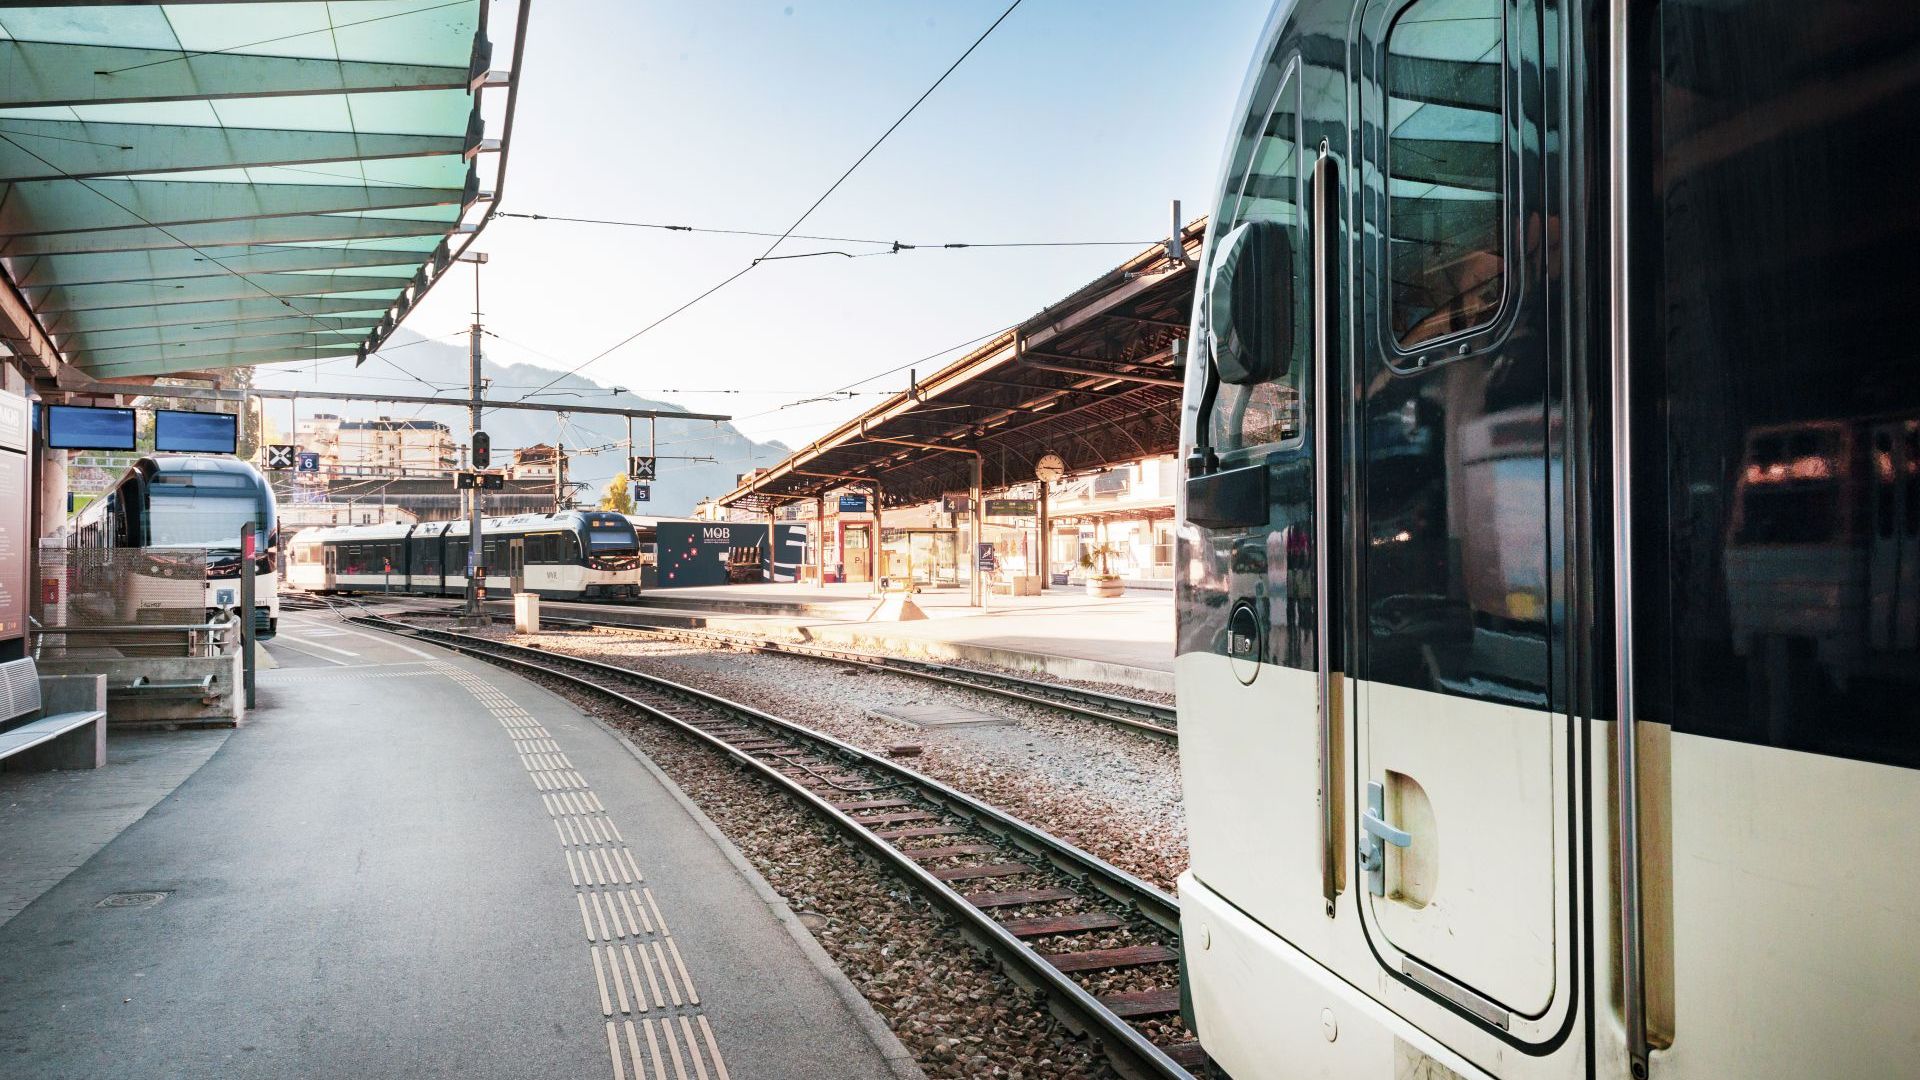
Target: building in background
417,446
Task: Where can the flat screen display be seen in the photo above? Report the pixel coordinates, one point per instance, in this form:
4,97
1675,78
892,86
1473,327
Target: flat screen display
195,432
82,427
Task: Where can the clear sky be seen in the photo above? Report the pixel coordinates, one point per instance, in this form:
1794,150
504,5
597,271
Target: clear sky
1076,120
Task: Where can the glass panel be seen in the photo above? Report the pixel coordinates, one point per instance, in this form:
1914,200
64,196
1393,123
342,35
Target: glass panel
1270,190
1446,185
1777,585
183,518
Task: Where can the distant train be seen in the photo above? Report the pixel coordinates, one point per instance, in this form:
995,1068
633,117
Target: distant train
181,502
574,554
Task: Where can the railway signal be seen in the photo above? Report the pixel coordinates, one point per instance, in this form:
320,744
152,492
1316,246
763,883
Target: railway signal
479,481
641,468
281,456
482,450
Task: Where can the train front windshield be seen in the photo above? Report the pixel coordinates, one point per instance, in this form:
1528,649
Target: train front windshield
198,515
612,538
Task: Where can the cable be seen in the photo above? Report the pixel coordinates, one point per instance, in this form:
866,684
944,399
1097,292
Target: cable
835,186
743,271
894,245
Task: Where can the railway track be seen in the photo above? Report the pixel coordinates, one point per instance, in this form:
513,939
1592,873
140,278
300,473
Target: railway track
1032,901
1147,717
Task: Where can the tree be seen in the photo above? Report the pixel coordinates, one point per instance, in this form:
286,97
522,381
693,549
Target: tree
617,498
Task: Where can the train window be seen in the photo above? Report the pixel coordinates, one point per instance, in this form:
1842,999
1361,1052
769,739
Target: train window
1776,599
569,548
1446,184
1265,413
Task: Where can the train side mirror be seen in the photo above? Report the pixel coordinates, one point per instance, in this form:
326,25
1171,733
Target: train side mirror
1250,303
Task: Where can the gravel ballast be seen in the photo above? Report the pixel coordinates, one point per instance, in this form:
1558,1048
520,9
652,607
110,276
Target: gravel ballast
1113,792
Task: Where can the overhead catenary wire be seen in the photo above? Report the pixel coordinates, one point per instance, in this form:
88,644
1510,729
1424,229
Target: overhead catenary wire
808,212
893,245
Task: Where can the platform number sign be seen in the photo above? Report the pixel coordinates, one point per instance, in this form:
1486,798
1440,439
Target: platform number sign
308,461
641,468
280,456
640,492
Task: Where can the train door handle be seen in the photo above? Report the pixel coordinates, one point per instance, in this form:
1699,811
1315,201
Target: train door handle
1376,832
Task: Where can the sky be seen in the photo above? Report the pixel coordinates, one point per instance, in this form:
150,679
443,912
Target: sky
1075,121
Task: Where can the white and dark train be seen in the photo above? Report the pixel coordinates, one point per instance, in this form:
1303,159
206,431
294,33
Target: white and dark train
1549,591
179,502
571,555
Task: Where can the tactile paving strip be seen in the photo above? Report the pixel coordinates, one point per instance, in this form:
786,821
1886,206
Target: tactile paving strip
647,996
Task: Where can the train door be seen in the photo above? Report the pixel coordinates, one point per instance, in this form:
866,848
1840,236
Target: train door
329,567
517,564
1459,783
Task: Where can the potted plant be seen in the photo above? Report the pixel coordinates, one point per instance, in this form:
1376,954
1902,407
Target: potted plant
1101,581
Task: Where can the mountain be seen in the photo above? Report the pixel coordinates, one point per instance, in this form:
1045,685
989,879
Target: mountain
680,484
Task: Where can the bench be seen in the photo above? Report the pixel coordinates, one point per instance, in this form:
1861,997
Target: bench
65,719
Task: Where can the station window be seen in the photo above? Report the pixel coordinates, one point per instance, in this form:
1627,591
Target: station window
1260,414
1446,175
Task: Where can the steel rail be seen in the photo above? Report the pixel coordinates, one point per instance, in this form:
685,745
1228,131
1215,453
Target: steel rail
1146,717
1127,1050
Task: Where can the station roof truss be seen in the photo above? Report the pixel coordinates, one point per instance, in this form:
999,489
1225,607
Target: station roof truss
188,187
1092,379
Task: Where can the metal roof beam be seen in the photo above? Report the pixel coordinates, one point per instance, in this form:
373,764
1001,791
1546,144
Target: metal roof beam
51,206
260,306
167,336
68,149
1123,376
195,290
237,358
288,229
38,74
111,356
201,262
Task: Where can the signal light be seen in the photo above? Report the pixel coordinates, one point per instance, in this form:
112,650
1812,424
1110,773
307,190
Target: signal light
482,449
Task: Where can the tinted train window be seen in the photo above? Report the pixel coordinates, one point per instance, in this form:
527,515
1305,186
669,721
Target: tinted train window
1446,182
1777,573
1269,189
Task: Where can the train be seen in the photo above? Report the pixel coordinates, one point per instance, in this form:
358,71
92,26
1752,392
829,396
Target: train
1548,592
568,555
175,502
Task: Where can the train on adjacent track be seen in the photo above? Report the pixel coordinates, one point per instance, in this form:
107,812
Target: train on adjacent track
172,503
1548,614
571,555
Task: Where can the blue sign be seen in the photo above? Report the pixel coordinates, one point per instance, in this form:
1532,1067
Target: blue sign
309,461
853,504
640,492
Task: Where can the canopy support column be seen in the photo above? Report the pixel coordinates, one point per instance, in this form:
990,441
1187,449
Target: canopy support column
820,540
977,481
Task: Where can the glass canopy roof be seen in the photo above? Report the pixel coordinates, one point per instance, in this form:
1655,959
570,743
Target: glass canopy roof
189,186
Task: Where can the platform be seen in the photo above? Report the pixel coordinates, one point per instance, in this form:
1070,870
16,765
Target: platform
409,864
1126,640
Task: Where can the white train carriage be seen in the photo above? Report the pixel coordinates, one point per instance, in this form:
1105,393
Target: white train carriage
171,502
575,554
1548,645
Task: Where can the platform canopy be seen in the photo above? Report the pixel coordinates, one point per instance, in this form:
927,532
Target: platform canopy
1092,379
196,186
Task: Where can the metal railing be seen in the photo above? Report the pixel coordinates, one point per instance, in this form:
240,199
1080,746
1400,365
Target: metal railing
137,639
